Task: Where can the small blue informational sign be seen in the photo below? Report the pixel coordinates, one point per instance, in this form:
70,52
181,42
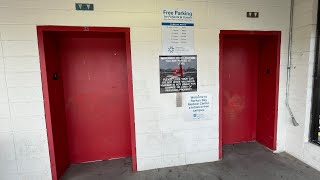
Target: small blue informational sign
84,7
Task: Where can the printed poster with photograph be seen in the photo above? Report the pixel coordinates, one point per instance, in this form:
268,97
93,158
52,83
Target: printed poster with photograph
178,73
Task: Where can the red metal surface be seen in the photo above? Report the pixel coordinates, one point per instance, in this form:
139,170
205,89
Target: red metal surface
131,101
59,125
221,39
56,149
267,84
45,90
96,94
267,87
239,93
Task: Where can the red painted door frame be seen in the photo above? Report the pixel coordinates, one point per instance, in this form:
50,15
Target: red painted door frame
40,31
223,33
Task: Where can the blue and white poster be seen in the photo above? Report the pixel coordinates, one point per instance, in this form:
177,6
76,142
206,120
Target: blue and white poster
198,107
177,32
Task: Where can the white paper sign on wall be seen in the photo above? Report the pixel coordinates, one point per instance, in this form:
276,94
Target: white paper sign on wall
198,107
177,32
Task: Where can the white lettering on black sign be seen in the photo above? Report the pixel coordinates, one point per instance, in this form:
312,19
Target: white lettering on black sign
178,74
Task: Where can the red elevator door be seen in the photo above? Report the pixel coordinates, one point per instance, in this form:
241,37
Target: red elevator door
96,97
239,89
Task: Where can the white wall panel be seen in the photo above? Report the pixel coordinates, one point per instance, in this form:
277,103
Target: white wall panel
23,79
20,48
18,32
3,83
303,47
7,154
25,94
28,123
163,136
5,112
22,64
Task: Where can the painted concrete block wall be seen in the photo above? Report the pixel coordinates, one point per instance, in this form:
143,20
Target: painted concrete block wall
303,54
163,137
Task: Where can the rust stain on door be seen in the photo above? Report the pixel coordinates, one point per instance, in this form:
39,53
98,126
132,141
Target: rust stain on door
234,105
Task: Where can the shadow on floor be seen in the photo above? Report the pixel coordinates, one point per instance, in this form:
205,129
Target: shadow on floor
244,161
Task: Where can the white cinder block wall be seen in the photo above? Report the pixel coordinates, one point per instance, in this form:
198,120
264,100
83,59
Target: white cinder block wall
163,137
303,54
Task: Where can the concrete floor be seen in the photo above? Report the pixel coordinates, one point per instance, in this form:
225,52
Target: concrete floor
245,161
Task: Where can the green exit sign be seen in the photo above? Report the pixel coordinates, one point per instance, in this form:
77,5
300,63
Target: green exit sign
84,7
